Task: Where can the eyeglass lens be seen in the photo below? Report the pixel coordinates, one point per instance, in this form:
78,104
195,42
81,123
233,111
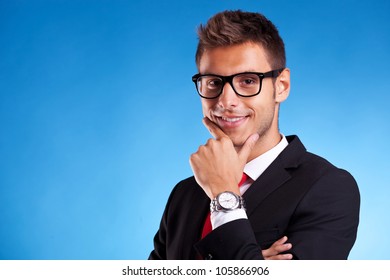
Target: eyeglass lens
246,84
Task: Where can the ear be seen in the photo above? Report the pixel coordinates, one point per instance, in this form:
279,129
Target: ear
282,86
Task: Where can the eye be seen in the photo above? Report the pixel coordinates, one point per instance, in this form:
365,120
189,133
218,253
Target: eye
213,83
247,80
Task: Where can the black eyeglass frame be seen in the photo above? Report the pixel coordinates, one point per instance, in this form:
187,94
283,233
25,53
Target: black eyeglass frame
229,79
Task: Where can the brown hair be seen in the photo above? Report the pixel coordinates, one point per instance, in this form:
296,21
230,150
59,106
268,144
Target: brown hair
237,27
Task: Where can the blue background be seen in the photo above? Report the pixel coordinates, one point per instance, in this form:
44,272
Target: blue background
98,115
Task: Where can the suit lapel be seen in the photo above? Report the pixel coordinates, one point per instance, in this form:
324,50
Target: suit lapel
275,175
272,178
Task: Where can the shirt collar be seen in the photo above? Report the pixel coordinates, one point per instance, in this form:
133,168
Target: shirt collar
257,166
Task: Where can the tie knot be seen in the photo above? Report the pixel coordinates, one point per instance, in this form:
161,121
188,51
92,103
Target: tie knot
243,179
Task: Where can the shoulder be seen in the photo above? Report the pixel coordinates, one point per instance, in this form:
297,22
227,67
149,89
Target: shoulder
297,159
315,174
186,185
323,178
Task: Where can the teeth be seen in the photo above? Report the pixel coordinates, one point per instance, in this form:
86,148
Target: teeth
232,119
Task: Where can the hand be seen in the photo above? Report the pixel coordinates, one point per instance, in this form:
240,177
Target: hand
274,252
217,166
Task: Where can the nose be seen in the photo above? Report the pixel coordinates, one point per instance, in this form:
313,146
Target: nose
228,97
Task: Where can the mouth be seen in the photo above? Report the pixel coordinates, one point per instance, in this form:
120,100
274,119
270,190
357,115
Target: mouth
232,120
226,122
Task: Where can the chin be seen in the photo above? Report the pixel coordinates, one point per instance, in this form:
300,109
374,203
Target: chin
238,143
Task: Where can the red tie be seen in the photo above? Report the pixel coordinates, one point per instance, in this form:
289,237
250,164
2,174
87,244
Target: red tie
207,224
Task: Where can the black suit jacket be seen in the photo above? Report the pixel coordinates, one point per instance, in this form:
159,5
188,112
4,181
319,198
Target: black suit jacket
299,195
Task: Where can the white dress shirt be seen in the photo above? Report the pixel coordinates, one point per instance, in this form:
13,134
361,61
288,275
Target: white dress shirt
253,169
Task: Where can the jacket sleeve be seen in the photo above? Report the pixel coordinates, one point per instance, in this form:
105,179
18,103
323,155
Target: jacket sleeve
159,252
232,241
324,225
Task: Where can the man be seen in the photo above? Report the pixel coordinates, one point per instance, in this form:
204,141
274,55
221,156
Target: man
285,191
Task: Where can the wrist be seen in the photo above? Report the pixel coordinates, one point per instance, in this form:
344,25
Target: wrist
215,191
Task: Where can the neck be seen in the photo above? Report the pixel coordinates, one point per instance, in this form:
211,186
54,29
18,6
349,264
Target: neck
264,144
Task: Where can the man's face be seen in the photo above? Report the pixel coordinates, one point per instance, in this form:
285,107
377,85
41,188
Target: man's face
237,116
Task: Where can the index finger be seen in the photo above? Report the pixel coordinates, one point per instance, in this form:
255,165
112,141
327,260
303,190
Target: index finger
214,129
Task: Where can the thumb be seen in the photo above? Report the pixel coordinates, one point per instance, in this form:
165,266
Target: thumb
246,149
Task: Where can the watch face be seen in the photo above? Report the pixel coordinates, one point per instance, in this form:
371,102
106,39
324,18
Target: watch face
228,200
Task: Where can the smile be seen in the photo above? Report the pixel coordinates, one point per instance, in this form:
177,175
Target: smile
230,122
236,119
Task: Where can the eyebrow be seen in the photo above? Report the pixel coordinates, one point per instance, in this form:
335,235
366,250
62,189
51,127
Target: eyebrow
246,71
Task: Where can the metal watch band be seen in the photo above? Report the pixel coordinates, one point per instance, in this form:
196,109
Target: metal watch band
215,207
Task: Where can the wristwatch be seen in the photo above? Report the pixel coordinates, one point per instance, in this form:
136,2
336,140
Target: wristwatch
227,201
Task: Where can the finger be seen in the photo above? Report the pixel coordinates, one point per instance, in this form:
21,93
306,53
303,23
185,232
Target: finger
247,147
283,247
276,249
268,253
281,240
280,257
271,251
214,129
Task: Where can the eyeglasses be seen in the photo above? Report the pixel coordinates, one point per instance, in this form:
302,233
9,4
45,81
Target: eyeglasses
245,84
